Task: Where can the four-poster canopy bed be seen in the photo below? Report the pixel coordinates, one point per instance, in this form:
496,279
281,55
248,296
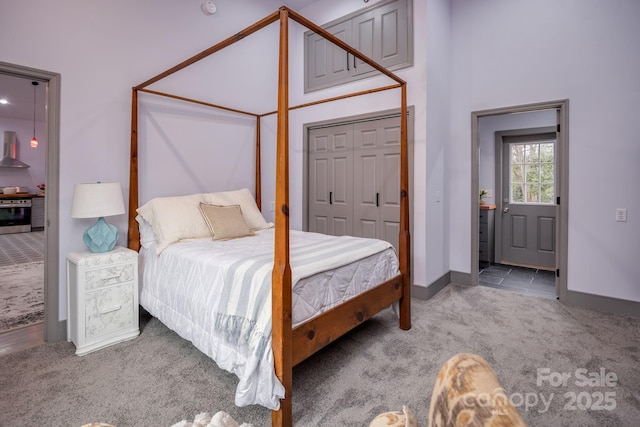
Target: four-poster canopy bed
291,345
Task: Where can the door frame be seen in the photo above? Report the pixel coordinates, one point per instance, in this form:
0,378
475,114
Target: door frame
562,162
52,326
499,177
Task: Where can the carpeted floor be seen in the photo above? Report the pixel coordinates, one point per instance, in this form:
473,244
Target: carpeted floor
159,379
22,295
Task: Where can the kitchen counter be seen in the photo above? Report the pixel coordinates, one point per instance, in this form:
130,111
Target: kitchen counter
19,195
488,207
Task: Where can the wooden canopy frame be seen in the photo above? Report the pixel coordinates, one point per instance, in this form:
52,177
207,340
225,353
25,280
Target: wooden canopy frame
291,346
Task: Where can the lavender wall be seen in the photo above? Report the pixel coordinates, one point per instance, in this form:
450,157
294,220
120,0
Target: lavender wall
469,55
513,53
34,157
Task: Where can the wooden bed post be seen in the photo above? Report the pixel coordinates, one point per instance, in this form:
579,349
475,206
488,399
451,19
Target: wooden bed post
281,274
258,166
133,234
405,237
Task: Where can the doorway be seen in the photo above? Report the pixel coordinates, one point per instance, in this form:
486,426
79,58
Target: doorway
526,203
52,329
558,111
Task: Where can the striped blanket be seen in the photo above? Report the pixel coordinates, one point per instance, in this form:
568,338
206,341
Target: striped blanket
217,294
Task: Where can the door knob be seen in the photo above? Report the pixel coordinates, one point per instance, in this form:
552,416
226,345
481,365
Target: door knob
506,209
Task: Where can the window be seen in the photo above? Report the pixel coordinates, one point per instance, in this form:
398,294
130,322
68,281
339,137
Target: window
532,166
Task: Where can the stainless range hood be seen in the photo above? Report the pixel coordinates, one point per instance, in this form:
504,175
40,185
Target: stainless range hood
10,156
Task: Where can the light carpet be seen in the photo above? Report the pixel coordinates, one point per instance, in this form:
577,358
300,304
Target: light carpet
21,295
159,379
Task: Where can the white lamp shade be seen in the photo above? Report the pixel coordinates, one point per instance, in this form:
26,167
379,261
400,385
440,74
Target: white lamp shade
96,200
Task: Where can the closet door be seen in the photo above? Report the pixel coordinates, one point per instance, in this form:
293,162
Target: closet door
382,32
376,210
325,63
331,180
383,35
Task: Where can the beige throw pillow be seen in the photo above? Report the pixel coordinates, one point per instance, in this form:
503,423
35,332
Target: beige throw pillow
225,222
243,197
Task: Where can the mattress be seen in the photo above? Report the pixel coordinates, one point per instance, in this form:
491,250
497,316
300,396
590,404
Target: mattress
217,294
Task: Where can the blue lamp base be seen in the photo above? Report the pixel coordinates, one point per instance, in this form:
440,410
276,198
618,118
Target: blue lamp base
101,237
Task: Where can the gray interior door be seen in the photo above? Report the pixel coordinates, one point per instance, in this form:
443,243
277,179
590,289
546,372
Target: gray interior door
331,180
354,179
382,35
326,63
529,201
377,179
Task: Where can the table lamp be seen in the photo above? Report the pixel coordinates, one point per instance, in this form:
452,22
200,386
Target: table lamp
97,200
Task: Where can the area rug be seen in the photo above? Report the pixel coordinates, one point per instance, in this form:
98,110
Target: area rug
22,295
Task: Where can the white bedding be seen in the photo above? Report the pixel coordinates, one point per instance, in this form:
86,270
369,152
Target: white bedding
217,294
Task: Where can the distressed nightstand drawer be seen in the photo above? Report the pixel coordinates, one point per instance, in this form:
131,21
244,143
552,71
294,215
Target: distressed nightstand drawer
108,276
109,310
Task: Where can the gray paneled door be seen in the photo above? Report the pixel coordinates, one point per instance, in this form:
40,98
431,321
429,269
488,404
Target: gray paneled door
376,182
331,180
354,179
382,32
529,200
326,63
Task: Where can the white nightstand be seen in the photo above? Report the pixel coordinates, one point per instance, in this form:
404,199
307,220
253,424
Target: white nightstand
102,298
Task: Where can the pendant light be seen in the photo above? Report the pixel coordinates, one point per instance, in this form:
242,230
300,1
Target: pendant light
34,140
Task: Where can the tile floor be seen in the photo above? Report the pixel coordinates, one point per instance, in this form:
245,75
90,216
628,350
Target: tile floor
528,281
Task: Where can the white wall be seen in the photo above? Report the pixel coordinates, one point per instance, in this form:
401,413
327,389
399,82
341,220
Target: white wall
426,268
186,148
512,53
433,178
498,57
103,48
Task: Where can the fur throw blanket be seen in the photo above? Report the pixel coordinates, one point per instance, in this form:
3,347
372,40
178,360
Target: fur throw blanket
204,419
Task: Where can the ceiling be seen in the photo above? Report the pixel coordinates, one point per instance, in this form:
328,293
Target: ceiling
297,4
18,92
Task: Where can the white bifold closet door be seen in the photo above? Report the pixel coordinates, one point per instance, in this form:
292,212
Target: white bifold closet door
354,179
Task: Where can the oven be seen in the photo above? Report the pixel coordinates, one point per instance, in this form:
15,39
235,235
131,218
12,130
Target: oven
15,215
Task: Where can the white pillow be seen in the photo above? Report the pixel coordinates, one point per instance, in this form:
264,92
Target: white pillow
175,218
252,215
147,236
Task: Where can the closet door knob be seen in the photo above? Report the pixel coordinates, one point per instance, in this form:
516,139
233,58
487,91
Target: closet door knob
330,197
377,199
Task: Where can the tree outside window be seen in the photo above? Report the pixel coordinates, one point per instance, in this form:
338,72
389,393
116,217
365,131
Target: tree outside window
532,173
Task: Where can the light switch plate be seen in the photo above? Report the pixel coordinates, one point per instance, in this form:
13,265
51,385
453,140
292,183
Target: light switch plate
621,215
